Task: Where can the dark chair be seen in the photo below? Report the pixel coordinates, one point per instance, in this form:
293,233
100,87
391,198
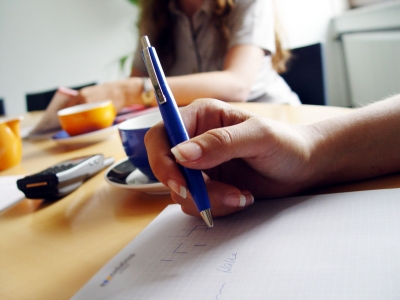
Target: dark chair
2,109
305,74
40,101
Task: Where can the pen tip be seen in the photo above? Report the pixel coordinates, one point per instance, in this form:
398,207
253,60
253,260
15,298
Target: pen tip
207,217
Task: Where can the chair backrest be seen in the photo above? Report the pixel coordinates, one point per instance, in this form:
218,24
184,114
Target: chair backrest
40,101
305,74
2,109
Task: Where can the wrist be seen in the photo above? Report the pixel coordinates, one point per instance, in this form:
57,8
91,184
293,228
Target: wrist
315,157
147,95
131,89
325,165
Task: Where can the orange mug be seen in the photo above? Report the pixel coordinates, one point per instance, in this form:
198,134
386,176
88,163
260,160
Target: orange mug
10,142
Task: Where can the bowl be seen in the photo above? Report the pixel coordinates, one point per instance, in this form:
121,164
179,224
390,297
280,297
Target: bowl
88,117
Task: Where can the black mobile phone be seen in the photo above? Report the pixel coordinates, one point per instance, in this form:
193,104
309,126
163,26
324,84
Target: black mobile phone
62,178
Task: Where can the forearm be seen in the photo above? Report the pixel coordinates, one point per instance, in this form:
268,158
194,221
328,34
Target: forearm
232,84
222,85
362,144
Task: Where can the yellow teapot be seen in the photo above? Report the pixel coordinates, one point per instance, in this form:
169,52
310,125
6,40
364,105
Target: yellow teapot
10,142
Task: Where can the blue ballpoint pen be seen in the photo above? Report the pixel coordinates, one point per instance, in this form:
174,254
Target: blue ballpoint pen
175,128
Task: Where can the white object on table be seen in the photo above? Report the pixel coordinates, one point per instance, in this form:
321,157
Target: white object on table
10,194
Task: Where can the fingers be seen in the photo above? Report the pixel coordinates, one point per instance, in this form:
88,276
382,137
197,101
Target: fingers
206,114
200,116
74,100
219,132
72,96
224,199
67,91
161,160
95,93
216,146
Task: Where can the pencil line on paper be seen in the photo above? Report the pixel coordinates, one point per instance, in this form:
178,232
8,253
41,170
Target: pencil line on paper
176,250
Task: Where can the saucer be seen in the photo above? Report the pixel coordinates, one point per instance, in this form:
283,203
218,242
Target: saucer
63,138
124,174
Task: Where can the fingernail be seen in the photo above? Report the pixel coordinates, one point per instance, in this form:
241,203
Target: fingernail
187,152
242,201
238,200
67,91
177,188
205,177
251,197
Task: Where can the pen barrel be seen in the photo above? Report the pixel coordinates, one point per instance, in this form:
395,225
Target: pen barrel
197,188
177,134
194,178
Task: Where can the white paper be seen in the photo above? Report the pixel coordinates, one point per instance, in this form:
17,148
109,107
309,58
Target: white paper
338,246
10,194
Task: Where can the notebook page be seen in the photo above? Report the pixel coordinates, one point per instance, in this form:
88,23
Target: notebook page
338,246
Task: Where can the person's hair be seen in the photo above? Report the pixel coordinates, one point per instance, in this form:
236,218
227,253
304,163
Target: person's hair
282,56
160,24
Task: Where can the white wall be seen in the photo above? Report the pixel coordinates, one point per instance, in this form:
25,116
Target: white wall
306,22
47,43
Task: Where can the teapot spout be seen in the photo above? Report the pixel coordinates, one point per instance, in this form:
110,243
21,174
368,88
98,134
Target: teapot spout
14,125
10,143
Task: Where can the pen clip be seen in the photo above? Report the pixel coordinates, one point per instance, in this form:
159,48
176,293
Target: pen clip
150,69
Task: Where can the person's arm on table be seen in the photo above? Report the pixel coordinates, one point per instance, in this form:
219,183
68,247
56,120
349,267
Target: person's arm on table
245,155
233,83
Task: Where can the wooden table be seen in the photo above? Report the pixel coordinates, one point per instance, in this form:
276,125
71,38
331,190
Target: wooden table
49,251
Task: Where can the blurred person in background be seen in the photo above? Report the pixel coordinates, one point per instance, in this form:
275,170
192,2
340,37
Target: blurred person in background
223,49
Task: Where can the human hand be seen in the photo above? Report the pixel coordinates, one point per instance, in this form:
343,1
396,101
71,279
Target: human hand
242,155
122,93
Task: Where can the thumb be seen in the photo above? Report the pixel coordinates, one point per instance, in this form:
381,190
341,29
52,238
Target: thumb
216,146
